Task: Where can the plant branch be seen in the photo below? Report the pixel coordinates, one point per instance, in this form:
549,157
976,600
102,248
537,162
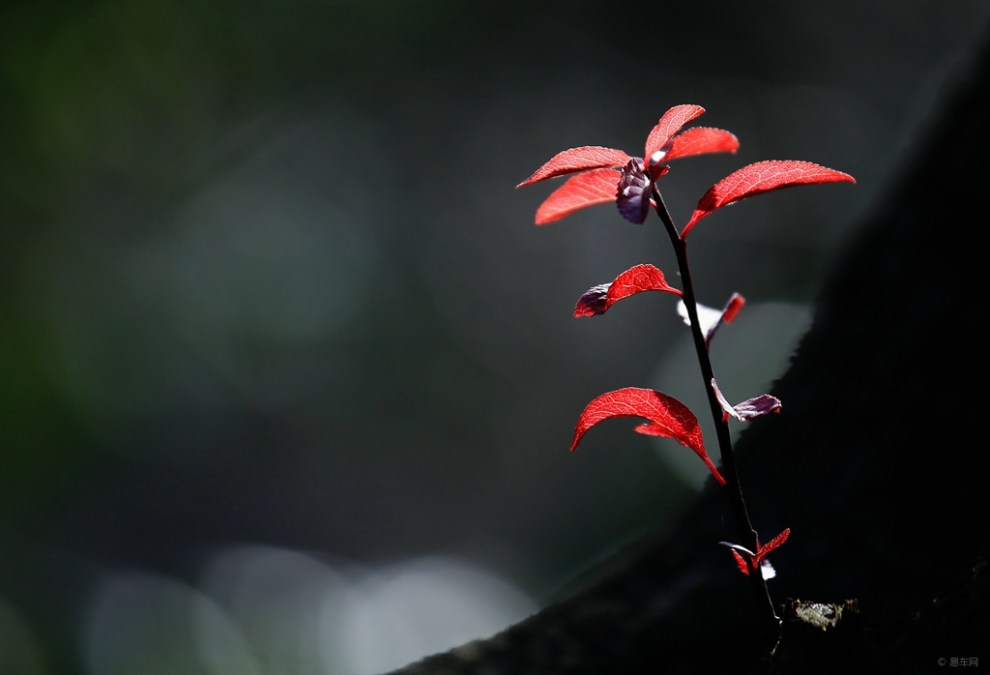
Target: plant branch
733,487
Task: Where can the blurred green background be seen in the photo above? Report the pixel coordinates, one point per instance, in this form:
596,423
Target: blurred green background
287,374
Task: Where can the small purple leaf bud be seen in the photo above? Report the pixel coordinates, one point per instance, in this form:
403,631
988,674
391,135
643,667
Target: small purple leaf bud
592,302
633,194
751,408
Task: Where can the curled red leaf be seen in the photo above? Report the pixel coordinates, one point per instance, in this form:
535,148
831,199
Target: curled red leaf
733,306
597,299
761,177
597,186
712,319
740,562
577,159
666,417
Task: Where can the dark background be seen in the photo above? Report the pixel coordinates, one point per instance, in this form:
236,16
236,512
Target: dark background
287,375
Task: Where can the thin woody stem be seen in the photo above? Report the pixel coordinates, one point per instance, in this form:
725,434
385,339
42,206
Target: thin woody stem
732,488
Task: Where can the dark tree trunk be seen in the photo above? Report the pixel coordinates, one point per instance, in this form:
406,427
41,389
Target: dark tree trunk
875,463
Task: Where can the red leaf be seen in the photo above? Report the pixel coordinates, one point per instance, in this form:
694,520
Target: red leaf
636,280
597,299
577,159
670,123
667,417
712,319
761,177
772,545
597,186
740,562
759,558
732,307
700,141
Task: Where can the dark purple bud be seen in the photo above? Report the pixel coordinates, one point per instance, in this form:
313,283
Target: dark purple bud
633,195
592,303
751,408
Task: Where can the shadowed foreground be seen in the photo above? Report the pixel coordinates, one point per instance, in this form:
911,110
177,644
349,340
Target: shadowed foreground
873,463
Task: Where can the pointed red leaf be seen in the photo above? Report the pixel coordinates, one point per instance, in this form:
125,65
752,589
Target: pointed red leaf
761,177
577,159
700,141
667,417
635,280
597,186
740,562
670,123
772,545
597,299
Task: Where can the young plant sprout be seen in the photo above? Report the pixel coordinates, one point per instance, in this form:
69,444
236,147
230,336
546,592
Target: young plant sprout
597,175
